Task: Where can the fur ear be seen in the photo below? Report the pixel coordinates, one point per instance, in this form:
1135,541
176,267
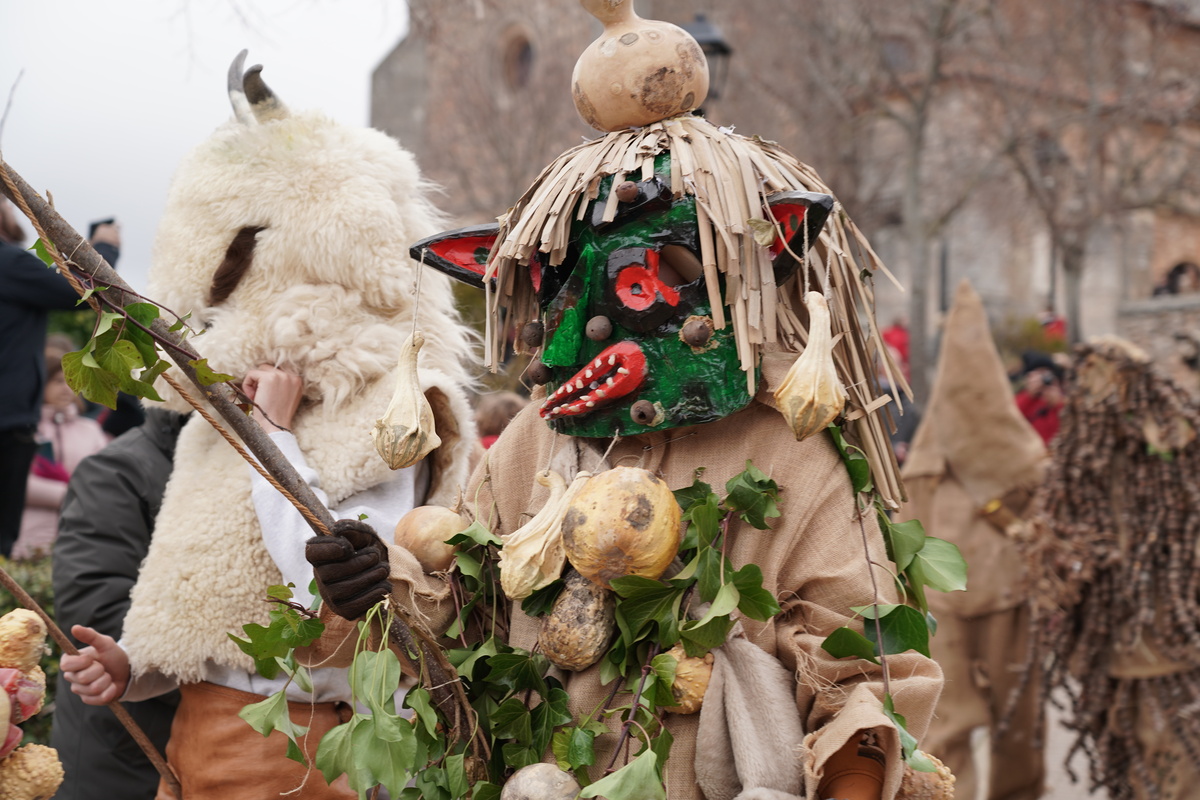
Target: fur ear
462,253
801,215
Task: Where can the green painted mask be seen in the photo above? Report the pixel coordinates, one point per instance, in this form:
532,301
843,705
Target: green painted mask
629,337
628,340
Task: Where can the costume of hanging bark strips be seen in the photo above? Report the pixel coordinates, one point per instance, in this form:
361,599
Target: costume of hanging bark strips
730,176
1113,554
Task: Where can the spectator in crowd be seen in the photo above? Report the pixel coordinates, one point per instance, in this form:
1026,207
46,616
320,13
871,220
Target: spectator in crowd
65,438
1041,395
494,411
896,337
103,536
28,293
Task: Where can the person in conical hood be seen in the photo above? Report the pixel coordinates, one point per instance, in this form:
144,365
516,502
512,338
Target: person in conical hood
972,467
697,318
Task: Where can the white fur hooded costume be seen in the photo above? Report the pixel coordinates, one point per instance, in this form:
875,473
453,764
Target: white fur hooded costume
329,295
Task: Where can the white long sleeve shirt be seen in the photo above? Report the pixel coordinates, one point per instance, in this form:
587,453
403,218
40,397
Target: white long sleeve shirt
284,533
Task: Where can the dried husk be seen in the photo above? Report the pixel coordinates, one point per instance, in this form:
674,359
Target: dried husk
532,556
406,432
811,395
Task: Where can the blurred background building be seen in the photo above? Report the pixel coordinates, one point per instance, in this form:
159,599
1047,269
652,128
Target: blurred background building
1045,149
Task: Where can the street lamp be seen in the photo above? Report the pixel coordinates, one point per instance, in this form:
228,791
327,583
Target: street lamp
716,50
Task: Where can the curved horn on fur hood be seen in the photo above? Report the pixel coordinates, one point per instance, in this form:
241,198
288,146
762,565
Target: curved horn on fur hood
253,101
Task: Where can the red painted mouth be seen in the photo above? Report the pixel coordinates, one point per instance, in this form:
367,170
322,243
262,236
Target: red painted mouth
618,371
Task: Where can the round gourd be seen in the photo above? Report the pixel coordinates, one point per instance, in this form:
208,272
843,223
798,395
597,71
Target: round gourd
540,782
691,681
639,71
624,521
424,531
577,631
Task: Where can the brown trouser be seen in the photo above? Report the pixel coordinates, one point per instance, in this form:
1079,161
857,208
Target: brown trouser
217,756
982,658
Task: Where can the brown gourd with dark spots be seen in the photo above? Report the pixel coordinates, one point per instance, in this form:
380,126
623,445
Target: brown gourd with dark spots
578,629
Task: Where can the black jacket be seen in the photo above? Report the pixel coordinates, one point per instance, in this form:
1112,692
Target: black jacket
29,291
104,534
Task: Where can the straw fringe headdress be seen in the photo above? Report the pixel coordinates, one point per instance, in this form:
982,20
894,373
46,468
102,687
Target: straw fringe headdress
730,176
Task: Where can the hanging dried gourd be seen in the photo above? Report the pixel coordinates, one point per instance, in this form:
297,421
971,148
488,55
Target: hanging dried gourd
811,395
406,432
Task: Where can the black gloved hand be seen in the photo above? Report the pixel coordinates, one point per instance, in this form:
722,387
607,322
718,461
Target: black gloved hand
351,567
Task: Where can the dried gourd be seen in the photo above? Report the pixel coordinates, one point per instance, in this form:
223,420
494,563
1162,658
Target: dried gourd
578,629
532,556
540,781
32,772
22,639
406,432
691,680
625,521
424,531
936,785
811,395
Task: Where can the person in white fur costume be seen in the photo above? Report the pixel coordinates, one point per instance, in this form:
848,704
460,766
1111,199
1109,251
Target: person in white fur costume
286,237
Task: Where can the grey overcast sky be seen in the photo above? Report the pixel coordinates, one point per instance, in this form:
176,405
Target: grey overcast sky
111,95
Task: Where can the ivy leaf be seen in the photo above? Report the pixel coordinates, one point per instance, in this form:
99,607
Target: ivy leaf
418,700
755,601
752,495
264,645
456,773
580,749
272,715
663,667
89,380
205,374
144,314
549,714
903,628
42,252
512,720
940,565
520,755
712,572
724,604
542,601
637,780
464,660
855,461
704,523
905,540
379,759
908,743
849,643
335,754
697,492
469,565
483,790
475,533
519,671
644,600
699,639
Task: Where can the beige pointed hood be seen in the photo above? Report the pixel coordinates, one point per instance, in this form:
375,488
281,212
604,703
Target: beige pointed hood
972,426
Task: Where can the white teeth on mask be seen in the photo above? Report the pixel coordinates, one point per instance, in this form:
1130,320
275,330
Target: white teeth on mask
601,393
590,404
612,360
621,371
593,385
587,373
598,364
608,382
